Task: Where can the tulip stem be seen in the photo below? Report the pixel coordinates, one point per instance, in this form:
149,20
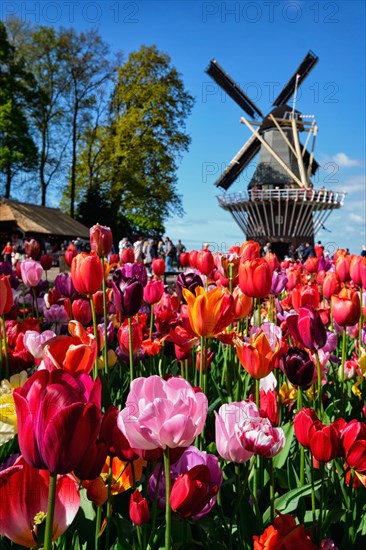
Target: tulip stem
151,320
98,521
109,506
50,512
271,489
35,302
5,348
302,450
94,317
319,371
342,370
257,393
321,504
312,487
105,320
130,350
168,510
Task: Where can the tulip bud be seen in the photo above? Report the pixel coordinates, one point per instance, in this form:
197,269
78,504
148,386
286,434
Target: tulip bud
331,284
127,256
139,509
69,255
255,278
31,272
153,291
81,311
32,248
193,258
189,281
6,295
184,259
123,338
346,307
249,250
304,421
101,239
342,266
324,441
127,294
46,261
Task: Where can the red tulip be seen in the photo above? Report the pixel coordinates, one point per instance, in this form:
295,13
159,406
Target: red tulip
184,259
311,265
46,261
153,291
128,256
331,284
123,338
357,264
342,266
346,307
191,493
24,495
255,278
113,259
293,278
268,406
6,295
69,255
32,249
58,419
193,258
303,423
354,444
249,250
158,267
87,272
205,261
81,311
305,295
284,535
101,239
139,509
324,442
272,261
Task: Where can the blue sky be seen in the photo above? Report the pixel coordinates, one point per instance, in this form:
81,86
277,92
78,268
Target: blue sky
260,44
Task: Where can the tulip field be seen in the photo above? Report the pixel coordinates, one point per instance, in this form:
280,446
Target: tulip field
224,410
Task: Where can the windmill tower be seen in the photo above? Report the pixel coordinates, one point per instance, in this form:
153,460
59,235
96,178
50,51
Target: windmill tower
280,205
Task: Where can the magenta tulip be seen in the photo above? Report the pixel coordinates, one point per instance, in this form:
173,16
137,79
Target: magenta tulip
58,419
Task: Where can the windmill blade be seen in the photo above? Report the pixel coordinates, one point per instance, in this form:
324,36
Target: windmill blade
239,162
218,74
303,70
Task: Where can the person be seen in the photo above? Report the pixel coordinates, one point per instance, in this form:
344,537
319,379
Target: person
170,253
309,252
267,248
7,252
78,243
123,243
150,254
363,251
319,250
137,248
179,247
300,251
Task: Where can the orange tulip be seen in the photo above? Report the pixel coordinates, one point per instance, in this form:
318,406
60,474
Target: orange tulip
242,304
87,272
346,307
331,284
256,357
355,269
284,534
255,278
209,312
305,295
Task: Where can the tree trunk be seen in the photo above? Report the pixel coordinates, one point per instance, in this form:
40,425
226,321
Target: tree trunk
8,181
73,160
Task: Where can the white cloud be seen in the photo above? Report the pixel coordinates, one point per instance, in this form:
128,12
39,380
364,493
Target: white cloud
344,161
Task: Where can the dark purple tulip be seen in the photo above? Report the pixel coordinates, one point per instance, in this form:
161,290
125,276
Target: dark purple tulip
135,270
307,328
189,280
279,281
128,293
298,367
64,285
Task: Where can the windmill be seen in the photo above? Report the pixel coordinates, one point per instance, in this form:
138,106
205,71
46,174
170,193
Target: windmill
280,204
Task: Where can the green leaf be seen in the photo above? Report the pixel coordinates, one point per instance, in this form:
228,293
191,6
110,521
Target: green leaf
280,459
289,501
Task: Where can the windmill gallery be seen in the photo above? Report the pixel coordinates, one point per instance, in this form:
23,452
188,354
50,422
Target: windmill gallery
280,204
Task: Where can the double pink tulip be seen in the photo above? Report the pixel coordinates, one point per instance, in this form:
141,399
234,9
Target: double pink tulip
161,414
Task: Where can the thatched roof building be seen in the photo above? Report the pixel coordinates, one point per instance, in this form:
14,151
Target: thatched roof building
32,220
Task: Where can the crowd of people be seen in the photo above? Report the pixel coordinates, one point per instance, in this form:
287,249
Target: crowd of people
145,250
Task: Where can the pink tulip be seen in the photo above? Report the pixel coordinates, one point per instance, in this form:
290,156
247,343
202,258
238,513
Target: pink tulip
160,414
24,494
260,437
153,291
34,341
31,272
229,424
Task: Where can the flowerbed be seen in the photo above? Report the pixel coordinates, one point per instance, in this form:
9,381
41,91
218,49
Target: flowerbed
223,411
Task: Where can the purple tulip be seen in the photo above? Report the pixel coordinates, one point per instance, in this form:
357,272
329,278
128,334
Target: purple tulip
65,286
189,280
135,270
307,328
190,458
128,293
298,367
279,281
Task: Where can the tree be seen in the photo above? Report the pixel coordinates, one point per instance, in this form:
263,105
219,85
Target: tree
144,139
18,151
